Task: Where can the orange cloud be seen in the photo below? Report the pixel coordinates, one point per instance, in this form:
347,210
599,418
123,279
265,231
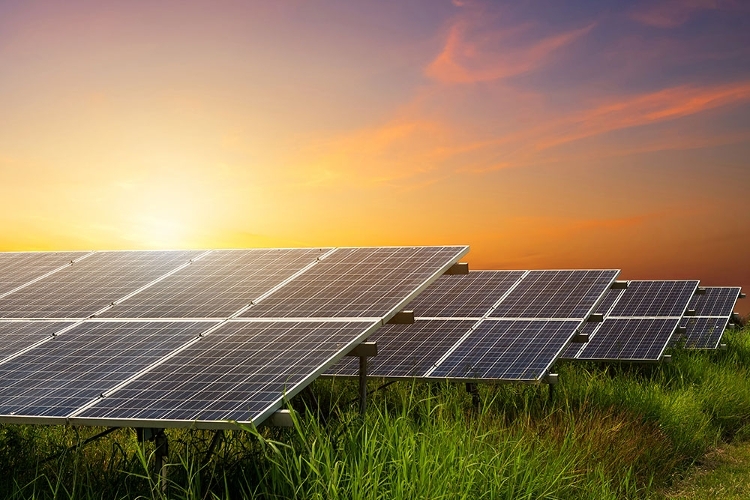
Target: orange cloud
474,54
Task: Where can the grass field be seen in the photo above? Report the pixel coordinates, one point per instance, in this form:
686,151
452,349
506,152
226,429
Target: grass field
607,432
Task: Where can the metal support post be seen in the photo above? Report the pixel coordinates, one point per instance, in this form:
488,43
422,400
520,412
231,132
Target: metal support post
472,389
362,384
218,435
160,454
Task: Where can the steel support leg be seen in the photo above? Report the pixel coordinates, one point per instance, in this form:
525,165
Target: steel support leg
362,384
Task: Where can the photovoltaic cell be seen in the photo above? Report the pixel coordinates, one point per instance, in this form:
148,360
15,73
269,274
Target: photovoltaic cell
356,282
217,285
464,295
703,332
407,350
717,301
507,350
236,372
18,268
630,340
655,299
555,294
57,377
91,284
18,335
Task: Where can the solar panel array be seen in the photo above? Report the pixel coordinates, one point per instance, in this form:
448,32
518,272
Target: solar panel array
487,325
713,309
167,346
639,323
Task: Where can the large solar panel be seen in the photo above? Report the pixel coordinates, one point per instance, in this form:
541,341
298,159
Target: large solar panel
19,268
217,285
480,345
241,372
91,284
356,282
712,312
18,335
640,323
58,376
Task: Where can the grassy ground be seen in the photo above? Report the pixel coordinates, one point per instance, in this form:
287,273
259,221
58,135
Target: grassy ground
627,432
723,473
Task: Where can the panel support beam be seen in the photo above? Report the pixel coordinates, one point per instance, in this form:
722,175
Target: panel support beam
458,268
580,338
595,318
619,285
402,318
362,385
281,418
472,389
365,349
161,452
742,295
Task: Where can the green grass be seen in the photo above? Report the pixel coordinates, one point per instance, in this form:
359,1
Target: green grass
608,432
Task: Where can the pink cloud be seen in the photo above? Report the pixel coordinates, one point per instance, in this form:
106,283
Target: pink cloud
673,13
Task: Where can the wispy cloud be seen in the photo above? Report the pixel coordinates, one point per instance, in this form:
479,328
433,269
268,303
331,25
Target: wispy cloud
475,52
673,13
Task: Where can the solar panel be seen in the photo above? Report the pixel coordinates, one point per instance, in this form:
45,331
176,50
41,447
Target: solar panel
464,295
407,350
488,347
655,299
712,312
241,371
19,268
91,284
18,335
217,285
555,294
357,282
57,377
637,327
625,339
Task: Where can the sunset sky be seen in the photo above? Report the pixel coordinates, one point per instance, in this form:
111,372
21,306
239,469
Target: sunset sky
600,134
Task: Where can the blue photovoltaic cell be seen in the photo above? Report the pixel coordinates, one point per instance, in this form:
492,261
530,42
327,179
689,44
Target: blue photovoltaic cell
18,268
716,301
217,285
702,332
234,373
655,299
61,375
630,340
555,294
464,295
357,282
93,283
407,350
508,350
18,335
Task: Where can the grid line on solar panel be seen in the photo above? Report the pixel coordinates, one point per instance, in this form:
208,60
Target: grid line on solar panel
86,287
715,302
464,295
55,378
20,269
629,339
17,336
371,282
703,332
654,299
520,350
407,350
555,294
241,371
218,285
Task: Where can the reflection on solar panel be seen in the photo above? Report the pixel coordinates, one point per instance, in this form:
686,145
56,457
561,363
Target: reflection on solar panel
242,372
91,284
555,294
487,348
18,335
57,377
630,339
507,350
217,285
638,325
356,282
18,268
712,312
464,295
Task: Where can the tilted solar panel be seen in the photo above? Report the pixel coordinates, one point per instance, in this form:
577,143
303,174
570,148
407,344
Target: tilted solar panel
356,282
630,340
241,371
18,335
216,285
57,377
712,309
91,284
19,268
655,298
715,302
